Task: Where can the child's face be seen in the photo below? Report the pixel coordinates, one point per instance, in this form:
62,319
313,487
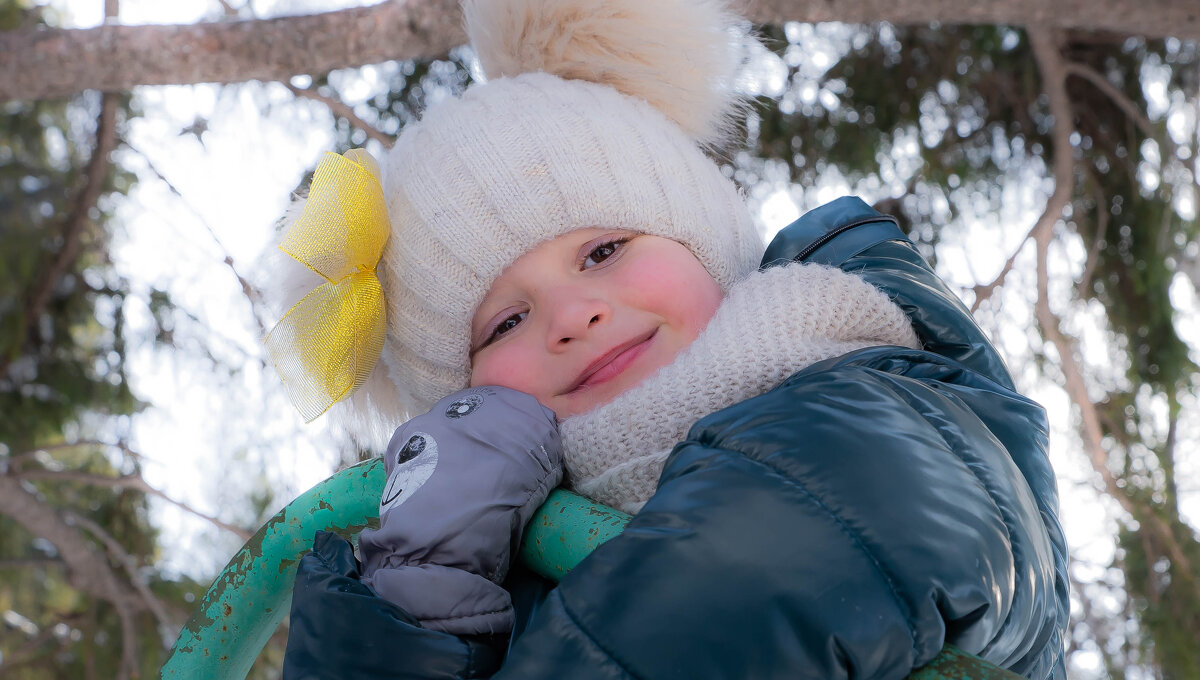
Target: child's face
582,318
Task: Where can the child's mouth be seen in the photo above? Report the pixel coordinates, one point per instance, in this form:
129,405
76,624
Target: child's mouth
614,362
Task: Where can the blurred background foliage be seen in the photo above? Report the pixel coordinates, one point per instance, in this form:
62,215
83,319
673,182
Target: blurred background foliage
971,97
63,377
938,125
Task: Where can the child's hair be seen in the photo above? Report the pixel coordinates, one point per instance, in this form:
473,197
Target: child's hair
598,114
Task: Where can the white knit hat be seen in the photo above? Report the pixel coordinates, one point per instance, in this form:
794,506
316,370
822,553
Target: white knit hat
596,117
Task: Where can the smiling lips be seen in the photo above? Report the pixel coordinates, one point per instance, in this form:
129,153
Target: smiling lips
613,362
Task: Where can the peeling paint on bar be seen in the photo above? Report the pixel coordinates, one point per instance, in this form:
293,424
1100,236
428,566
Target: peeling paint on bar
252,595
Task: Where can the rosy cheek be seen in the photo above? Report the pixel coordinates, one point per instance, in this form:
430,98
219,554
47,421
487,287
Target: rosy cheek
507,365
682,291
698,308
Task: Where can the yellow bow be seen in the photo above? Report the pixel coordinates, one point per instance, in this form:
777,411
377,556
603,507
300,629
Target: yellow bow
326,345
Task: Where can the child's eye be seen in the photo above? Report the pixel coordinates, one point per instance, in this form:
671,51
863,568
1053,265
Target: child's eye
506,324
602,252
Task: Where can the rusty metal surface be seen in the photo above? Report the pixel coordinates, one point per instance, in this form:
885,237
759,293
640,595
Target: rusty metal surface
566,529
955,664
251,596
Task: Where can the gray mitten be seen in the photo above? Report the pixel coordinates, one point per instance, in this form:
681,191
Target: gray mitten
463,481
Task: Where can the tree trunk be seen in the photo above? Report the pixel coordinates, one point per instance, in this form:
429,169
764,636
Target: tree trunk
40,64
1150,18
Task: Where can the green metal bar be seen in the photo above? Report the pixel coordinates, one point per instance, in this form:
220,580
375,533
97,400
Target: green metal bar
252,595
566,529
955,664
248,600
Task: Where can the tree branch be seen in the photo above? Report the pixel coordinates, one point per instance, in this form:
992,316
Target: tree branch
1050,63
54,63
1131,111
129,646
340,108
96,171
32,652
1093,256
86,571
136,482
1151,18
1166,455
25,562
985,291
250,291
155,605
18,458
77,220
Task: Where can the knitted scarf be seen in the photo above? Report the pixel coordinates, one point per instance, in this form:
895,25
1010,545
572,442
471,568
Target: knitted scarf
770,325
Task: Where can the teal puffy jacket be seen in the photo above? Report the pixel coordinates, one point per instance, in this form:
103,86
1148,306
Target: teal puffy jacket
846,524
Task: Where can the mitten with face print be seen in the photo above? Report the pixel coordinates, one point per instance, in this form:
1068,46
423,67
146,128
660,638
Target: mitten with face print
463,481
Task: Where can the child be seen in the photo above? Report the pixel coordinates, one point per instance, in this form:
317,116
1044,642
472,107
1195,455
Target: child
568,279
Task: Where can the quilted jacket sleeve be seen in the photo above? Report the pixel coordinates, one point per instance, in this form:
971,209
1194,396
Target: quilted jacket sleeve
844,525
848,233
847,524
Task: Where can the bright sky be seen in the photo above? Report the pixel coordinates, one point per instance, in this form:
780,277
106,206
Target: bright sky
213,438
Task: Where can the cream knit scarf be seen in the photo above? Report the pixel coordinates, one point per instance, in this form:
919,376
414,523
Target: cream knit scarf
770,325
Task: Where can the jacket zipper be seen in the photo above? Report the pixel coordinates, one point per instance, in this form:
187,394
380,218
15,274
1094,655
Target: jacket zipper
829,236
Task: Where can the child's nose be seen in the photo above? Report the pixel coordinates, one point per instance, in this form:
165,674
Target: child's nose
574,319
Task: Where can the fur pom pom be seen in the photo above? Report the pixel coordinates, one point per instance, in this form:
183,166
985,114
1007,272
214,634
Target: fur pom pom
681,56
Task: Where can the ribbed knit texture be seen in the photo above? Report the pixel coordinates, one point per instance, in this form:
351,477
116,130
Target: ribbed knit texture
772,324
593,113
485,178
